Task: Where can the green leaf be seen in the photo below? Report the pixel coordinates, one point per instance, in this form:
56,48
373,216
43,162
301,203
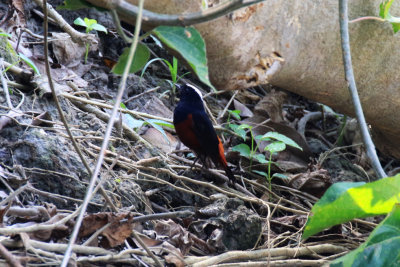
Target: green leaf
129,120
384,8
132,122
341,204
189,44
153,123
80,22
5,34
163,123
235,113
260,173
74,5
89,22
140,58
245,126
243,149
242,133
280,137
29,63
174,70
260,158
381,249
280,176
153,60
275,147
99,28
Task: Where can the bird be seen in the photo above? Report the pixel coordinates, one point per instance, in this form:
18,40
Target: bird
195,129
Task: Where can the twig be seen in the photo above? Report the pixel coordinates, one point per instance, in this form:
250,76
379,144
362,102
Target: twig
75,35
5,87
13,194
227,105
165,215
262,253
153,19
344,34
103,105
272,263
107,135
10,259
59,109
120,31
37,227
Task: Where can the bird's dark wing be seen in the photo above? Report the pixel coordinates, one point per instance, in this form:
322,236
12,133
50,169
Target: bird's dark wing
205,134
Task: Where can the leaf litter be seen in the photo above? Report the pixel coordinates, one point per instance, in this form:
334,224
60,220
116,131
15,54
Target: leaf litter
199,222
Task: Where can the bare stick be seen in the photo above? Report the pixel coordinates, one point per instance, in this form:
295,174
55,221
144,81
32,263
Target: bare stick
10,259
348,69
5,87
155,19
107,135
59,109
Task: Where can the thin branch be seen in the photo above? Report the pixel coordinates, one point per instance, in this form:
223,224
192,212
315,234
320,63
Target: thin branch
4,84
348,69
75,35
59,109
104,146
152,19
9,257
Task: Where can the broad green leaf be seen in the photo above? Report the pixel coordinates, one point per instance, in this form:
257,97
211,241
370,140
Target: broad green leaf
382,247
243,149
279,175
29,63
153,123
260,158
74,5
140,58
189,44
80,22
235,113
280,137
99,28
245,126
275,147
241,132
339,205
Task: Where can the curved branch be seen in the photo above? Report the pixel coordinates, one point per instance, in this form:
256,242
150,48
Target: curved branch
348,69
152,19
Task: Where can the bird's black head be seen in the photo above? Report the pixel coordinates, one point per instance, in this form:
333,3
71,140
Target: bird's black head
190,94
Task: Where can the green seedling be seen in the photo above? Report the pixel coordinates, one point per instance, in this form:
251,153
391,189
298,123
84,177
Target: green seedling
21,57
243,149
90,25
173,70
278,143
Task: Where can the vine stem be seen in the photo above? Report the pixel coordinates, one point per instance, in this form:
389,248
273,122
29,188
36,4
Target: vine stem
348,69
